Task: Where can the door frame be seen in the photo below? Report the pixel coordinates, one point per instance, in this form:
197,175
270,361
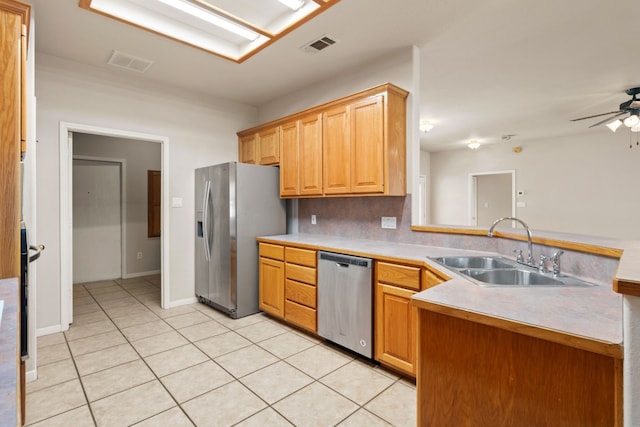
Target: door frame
123,206
66,210
473,190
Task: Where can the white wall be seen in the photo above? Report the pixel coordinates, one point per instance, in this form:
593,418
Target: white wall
578,184
139,156
394,68
201,132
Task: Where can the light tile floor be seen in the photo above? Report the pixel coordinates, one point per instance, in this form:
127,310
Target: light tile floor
126,361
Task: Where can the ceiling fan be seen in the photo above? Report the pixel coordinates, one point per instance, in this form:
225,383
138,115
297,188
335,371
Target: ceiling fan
631,107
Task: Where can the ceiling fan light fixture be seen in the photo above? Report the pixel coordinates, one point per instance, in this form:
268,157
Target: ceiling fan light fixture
631,121
614,125
636,128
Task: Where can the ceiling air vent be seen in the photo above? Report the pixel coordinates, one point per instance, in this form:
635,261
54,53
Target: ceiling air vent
130,62
319,44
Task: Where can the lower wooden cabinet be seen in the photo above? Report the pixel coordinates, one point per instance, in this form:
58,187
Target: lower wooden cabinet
395,320
288,284
395,317
271,279
300,288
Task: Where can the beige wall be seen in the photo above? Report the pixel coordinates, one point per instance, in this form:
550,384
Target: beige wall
200,131
583,184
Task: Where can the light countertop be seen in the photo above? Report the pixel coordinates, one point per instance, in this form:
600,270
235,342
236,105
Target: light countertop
584,317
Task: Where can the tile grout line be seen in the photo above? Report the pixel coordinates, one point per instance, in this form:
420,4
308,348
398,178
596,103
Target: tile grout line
395,379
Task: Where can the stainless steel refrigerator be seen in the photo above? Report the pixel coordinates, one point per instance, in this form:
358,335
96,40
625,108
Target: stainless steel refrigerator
235,203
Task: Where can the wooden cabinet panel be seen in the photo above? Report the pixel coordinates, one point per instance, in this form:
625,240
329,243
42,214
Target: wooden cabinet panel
271,251
269,146
300,315
472,374
311,155
271,286
400,275
289,163
10,136
367,146
301,273
248,146
301,293
336,156
395,328
301,256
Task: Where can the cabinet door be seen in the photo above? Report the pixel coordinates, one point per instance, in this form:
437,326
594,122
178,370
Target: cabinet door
269,146
311,155
395,327
336,157
271,283
247,151
289,164
367,145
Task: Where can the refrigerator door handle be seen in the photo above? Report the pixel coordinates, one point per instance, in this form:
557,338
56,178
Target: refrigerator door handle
205,218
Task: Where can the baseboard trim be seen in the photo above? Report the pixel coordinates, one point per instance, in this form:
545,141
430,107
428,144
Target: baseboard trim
140,274
31,375
180,302
48,330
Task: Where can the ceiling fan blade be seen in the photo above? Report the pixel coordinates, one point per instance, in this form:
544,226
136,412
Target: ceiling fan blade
596,115
608,118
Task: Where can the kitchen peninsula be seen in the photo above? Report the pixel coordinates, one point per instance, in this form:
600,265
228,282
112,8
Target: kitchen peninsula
538,352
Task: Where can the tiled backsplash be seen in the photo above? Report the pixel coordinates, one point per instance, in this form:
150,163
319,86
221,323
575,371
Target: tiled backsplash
360,218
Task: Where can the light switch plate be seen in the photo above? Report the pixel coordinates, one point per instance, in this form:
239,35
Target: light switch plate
388,222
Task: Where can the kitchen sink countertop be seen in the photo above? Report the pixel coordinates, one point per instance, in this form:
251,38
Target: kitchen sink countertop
584,317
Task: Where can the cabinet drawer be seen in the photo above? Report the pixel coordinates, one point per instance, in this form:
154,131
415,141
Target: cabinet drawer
300,293
300,315
268,250
301,256
400,275
301,274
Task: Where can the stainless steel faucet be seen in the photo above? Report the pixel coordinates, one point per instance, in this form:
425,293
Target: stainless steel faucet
555,259
529,237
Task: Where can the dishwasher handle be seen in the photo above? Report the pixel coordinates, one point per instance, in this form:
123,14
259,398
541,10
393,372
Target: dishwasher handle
345,260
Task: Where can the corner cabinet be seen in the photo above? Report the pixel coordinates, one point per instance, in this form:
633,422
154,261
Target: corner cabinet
355,145
395,316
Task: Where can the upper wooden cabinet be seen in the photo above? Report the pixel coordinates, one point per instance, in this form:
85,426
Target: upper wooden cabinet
260,148
352,146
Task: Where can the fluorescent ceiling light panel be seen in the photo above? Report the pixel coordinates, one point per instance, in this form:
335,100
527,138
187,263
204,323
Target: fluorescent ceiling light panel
292,4
211,18
231,29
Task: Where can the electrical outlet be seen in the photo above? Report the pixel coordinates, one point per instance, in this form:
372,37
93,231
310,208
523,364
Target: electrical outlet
139,256
388,222
313,220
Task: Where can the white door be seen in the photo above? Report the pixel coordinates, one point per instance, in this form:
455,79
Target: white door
96,221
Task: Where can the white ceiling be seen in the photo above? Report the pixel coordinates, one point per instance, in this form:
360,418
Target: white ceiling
489,67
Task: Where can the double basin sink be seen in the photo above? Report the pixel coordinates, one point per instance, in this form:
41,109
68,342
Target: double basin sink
499,271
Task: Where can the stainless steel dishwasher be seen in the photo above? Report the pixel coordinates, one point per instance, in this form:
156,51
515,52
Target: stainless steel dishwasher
345,301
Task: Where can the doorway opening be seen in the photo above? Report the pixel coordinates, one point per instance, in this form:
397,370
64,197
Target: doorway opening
491,196
67,131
